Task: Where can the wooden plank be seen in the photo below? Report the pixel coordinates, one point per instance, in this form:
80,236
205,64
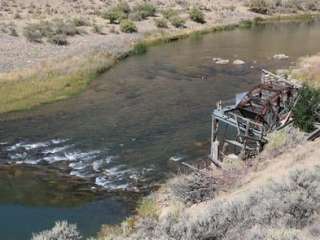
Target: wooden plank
237,144
314,135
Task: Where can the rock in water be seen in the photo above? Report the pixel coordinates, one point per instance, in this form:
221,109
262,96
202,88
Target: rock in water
280,56
238,62
220,60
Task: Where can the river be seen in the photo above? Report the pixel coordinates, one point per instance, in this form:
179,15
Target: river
121,132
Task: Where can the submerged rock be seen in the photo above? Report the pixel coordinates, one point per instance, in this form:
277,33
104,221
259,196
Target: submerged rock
280,56
220,60
238,62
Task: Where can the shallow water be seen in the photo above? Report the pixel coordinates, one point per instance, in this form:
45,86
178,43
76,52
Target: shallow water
33,198
123,130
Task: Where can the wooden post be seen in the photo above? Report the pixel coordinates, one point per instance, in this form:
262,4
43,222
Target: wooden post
243,151
214,152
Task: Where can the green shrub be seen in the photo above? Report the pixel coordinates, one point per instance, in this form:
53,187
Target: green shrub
307,109
9,28
124,7
56,31
147,208
97,29
136,16
13,32
115,15
32,34
161,23
197,15
246,24
65,28
281,140
139,49
128,26
80,21
177,21
145,10
258,20
43,28
169,13
58,39
260,6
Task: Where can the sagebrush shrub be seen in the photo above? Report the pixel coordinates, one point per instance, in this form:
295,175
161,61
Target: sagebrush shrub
260,6
197,15
193,188
97,29
145,10
168,13
61,231
147,208
115,15
58,39
280,210
32,34
283,6
161,23
128,26
80,21
124,6
177,21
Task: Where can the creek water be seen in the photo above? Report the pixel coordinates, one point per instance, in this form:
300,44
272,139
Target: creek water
121,132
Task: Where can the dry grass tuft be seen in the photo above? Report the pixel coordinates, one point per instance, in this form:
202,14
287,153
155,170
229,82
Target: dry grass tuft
282,140
308,71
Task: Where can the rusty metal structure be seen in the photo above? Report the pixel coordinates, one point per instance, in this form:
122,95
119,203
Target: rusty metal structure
253,114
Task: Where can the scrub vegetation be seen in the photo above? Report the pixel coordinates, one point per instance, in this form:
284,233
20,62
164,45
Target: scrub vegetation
307,109
61,230
284,208
289,6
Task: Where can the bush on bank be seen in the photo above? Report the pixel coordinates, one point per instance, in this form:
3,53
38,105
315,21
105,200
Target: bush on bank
128,26
60,231
197,15
306,111
285,209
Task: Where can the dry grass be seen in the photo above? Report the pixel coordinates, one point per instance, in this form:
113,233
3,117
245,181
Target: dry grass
308,70
285,207
50,82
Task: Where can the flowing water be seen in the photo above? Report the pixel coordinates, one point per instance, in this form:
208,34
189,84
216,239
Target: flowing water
122,131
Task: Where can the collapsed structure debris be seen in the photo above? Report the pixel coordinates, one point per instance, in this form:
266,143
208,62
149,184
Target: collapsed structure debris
252,115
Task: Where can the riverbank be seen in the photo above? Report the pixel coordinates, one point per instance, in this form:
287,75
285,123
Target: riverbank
73,67
264,197
279,181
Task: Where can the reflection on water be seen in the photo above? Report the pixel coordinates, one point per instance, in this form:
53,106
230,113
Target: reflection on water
150,108
33,198
36,186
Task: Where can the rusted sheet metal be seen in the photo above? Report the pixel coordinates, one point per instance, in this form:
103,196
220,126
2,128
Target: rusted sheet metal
265,108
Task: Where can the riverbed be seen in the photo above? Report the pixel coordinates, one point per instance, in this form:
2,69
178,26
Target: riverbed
122,131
